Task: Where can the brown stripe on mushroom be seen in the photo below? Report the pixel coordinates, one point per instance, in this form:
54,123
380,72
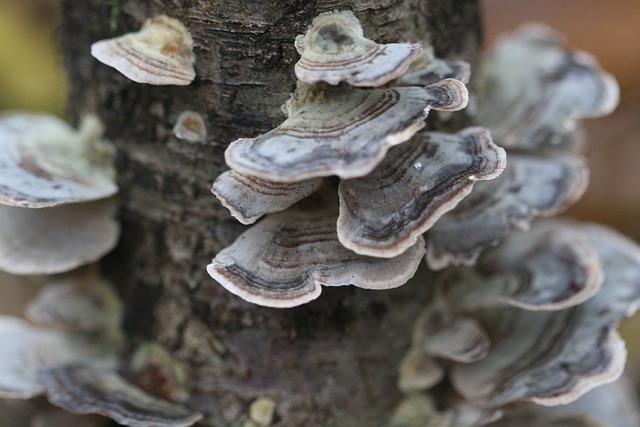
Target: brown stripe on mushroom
533,90
161,53
27,349
383,213
45,162
334,50
530,186
341,131
57,239
96,387
549,267
553,357
283,261
248,198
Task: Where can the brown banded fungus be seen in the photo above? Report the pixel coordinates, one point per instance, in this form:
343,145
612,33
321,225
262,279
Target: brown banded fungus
383,213
283,261
553,357
161,53
96,387
545,268
533,90
248,198
334,50
547,303
532,93
340,130
530,186
394,184
46,163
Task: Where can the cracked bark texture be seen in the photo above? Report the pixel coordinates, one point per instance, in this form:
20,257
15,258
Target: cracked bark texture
332,362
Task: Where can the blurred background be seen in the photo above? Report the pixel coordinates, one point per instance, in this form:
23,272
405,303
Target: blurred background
31,79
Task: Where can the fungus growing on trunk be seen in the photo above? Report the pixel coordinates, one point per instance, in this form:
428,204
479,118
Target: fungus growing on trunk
161,53
334,50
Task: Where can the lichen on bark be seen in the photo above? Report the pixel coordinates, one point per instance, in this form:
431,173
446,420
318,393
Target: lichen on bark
330,362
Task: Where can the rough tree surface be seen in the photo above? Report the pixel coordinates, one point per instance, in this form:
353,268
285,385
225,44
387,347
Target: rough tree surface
330,362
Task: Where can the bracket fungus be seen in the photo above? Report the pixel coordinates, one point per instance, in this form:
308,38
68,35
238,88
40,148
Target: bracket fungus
532,93
26,350
283,261
57,239
553,357
547,303
334,50
340,130
530,186
55,206
248,198
46,163
383,213
161,53
96,387
533,90
77,304
545,268
395,182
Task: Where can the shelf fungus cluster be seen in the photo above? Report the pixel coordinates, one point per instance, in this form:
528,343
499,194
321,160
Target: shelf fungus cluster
71,351
56,190
395,180
528,320
534,320
532,92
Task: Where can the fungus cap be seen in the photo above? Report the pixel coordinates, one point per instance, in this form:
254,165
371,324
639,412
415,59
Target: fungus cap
533,90
77,303
530,186
46,163
96,387
341,130
57,239
383,213
283,260
27,349
334,50
161,53
249,198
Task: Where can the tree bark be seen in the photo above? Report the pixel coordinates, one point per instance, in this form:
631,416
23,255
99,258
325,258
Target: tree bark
330,362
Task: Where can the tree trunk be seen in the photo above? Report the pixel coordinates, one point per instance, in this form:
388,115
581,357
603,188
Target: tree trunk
330,362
